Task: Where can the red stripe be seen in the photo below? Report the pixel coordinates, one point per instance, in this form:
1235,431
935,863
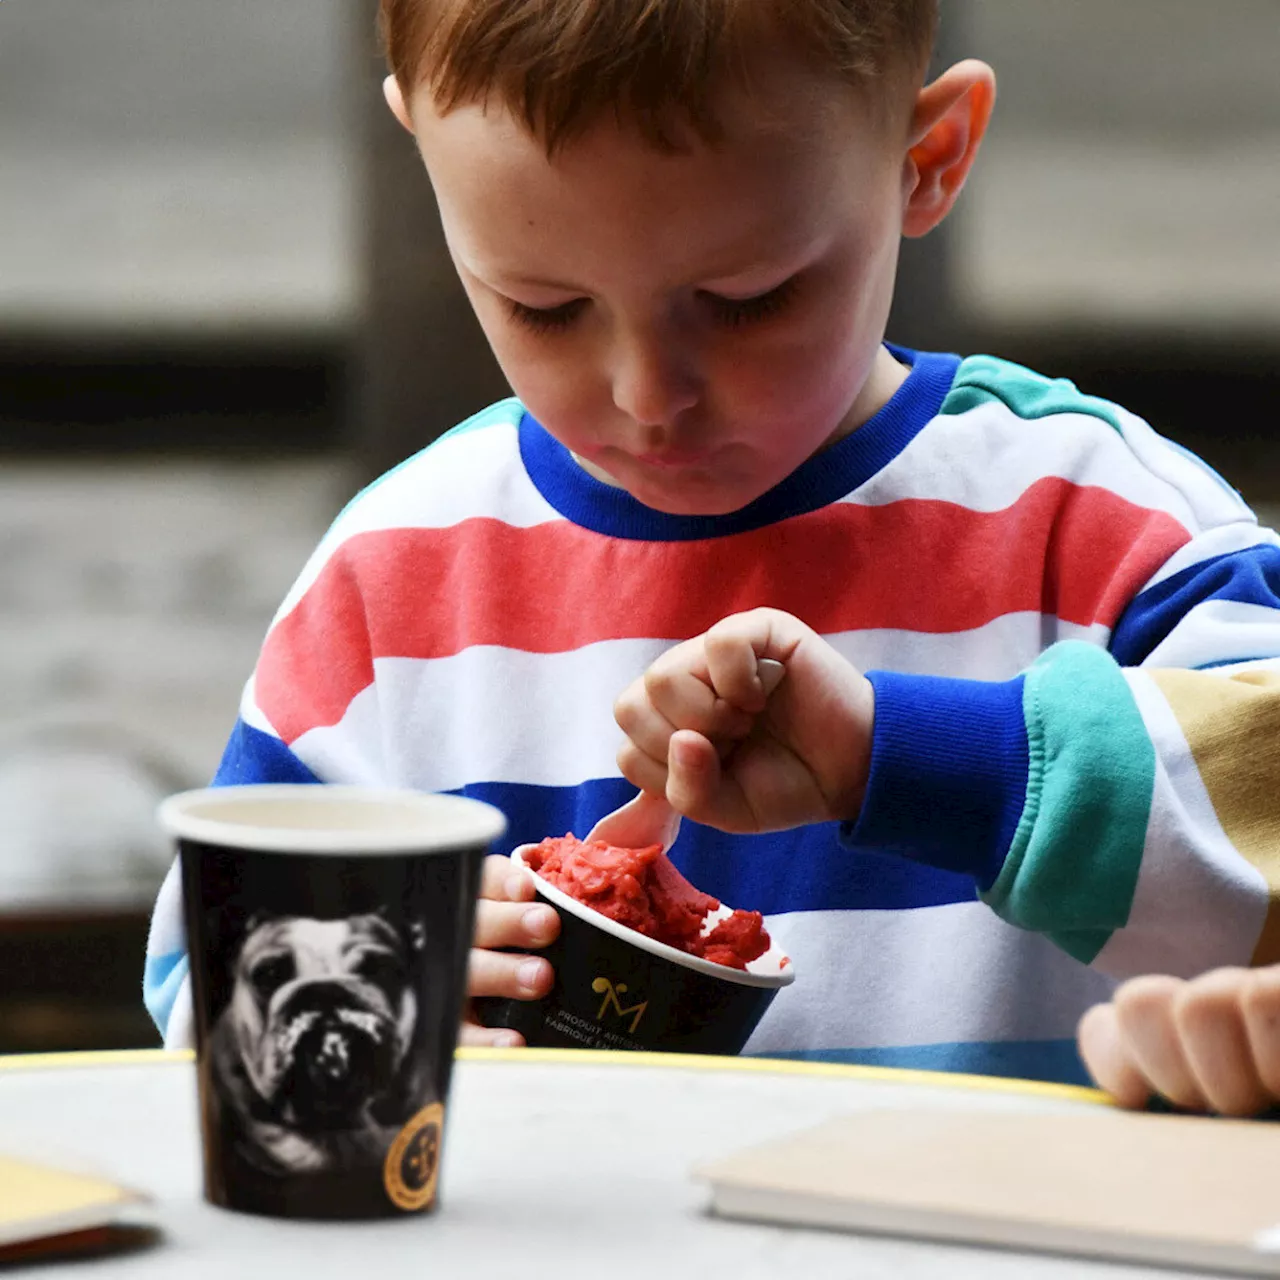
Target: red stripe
1078,553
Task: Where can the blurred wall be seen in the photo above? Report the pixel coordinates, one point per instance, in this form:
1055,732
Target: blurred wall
171,165
1131,180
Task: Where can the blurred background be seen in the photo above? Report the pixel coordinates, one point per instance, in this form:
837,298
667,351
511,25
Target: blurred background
224,306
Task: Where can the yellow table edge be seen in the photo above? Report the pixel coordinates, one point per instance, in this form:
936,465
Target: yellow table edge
600,1057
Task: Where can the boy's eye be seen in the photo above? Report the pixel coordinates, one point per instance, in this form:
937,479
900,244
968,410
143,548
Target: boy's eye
546,319
734,312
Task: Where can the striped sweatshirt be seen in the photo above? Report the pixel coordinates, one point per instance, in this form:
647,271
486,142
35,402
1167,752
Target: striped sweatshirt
1073,630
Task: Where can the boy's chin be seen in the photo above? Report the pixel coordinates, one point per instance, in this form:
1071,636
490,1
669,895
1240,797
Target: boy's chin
695,493
695,501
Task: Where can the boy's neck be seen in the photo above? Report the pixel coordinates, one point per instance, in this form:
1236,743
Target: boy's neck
887,375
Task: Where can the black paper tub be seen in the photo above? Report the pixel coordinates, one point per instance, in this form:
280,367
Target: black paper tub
618,989
329,932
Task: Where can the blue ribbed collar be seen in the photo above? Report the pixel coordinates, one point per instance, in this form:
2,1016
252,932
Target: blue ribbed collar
823,479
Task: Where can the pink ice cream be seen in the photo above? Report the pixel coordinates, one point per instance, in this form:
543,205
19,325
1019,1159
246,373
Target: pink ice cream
641,889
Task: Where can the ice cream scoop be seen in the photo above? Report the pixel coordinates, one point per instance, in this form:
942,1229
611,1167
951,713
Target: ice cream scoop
643,890
647,818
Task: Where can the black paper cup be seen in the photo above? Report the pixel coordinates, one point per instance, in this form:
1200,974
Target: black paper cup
328,930
618,989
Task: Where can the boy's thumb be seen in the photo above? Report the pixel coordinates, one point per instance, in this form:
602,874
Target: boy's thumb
693,773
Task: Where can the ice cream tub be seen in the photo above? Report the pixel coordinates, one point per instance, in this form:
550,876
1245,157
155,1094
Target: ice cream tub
616,988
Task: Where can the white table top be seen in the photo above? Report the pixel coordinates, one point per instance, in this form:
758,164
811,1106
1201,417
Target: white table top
564,1164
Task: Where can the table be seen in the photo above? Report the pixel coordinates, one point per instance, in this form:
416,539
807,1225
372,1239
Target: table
559,1163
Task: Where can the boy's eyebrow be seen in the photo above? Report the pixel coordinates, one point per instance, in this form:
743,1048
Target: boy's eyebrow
537,282
796,258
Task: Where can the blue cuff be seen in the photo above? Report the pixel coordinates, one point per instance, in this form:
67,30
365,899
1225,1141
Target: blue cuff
948,778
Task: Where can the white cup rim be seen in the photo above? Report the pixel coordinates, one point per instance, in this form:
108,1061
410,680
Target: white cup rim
743,977
408,822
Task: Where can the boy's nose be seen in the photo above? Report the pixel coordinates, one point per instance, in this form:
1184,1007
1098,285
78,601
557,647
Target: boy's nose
654,382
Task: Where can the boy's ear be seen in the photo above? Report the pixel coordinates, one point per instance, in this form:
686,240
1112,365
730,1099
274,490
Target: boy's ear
395,100
950,119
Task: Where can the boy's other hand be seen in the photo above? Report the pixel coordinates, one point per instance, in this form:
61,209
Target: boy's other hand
701,730
1210,1044
507,916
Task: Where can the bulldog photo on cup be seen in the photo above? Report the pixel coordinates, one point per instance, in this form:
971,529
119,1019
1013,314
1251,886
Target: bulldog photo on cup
313,1058
328,930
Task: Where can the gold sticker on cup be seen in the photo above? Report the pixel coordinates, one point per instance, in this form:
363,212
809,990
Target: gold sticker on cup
412,1165
613,993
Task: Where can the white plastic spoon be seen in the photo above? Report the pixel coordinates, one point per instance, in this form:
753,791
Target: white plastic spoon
647,818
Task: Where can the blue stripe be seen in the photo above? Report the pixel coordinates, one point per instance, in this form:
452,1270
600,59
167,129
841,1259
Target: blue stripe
948,778
1235,662
802,870
807,869
162,979
821,480
253,756
1249,576
1056,1061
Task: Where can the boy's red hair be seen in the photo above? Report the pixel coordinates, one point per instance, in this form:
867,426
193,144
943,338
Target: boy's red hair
559,65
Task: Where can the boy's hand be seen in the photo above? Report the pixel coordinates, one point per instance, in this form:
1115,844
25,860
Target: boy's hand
1211,1044
701,730
506,916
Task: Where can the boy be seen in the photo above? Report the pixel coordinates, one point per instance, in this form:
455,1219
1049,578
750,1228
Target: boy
678,225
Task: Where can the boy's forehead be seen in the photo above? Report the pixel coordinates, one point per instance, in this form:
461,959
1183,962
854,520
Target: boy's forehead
765,189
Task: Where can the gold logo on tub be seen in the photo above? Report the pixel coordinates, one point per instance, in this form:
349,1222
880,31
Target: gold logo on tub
412,1165
612,996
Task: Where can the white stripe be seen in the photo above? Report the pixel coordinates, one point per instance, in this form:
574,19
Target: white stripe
1198,903
1219,631
933,975
351,751
1213,501
501,715
998,650
168,933
494,714
251,713
986,458
477,473
1228,538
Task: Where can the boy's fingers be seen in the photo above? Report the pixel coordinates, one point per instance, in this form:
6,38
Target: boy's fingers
1261,1005
697,787
646,727
515,924
733,669
681,695
1144,1010
735,645
1103,1053
502,880
1210,1022
641,770
493,973
473,1035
